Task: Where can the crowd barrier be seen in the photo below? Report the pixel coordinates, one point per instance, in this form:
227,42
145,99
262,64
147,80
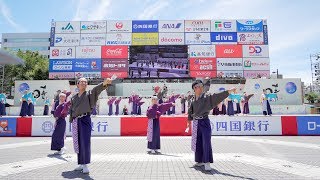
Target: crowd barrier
285,125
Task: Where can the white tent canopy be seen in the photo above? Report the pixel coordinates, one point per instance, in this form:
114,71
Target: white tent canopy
6,58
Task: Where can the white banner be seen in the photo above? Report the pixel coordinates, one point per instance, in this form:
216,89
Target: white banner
250,38
147,89
197,25
92,39
40,89
197,38
238,73
67,27
253,125
202,51
118,39
62,52
171,38
42,125
229,64
260,64
223,26
88,52
67,40
255,50
171,26
88,75
101,126
93,26
119,26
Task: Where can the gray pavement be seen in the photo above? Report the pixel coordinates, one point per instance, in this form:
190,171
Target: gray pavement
236,157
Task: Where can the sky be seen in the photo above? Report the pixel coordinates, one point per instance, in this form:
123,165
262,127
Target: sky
293,25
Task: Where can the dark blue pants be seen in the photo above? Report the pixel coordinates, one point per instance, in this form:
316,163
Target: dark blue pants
203,152
230,110
110,110
2,109
84,135
155,144
246,108
46,110
24,108
117,110
268,112
238,108
30,109
57,140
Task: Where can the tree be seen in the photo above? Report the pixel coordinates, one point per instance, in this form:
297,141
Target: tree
311,97
36,67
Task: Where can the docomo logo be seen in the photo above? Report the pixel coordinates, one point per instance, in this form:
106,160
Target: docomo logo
164,39
255,49
119,25
114,52
228,51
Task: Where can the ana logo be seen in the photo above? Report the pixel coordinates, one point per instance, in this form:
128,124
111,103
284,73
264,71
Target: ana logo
58,39
119,25
68,27
47,127
255,49
55,52
171,26
247,63
228,51
114,52
197,37
220,37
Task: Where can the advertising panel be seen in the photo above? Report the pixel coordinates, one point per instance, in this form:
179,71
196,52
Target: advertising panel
61,65
223,37
308,125
255,50
118,39
61,75
112,52
260,64
143,26
229,51
229,64
118,74
8,126
171,38
62,52
250,38
67,27
171,26
197,25
67,40
93,26
119,26
255,74
145,38
197,38
91,75
203,64
224,73
250,25
223,26
202,51
87,65
88,52
114,65
203,74
93,39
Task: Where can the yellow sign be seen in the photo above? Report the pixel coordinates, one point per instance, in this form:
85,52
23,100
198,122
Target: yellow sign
145,38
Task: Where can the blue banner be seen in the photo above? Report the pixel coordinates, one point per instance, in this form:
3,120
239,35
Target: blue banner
221,37
265,34
61,65
250,26
145,26
308,125
52,31
87,65
8,126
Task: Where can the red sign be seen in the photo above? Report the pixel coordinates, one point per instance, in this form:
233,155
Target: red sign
203,74
113,65
110,74
114,52
229,51
203,64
